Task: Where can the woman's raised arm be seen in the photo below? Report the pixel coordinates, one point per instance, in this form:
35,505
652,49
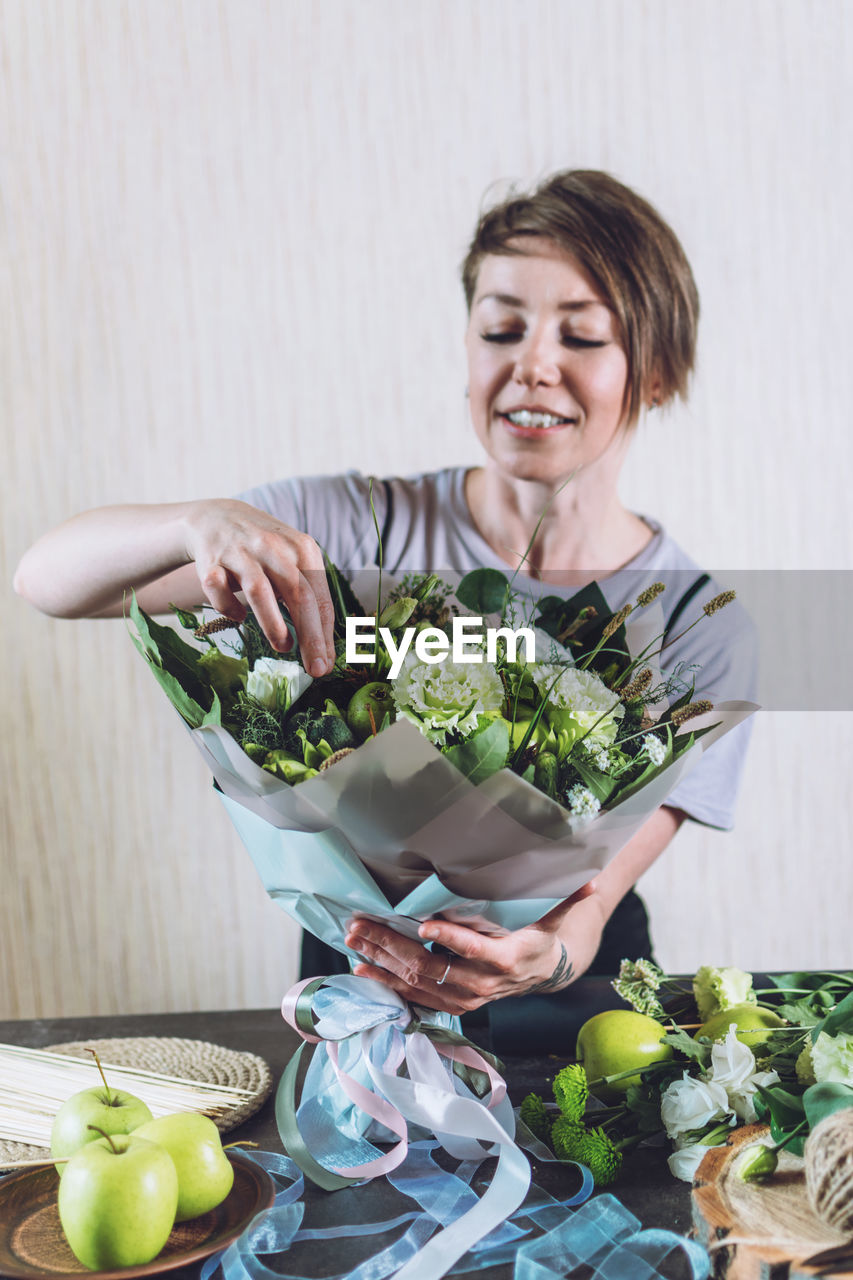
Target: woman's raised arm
184,554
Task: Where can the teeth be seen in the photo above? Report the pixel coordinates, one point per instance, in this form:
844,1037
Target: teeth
524,418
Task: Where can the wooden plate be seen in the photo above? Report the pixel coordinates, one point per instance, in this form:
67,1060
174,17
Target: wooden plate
33,1244
763,1231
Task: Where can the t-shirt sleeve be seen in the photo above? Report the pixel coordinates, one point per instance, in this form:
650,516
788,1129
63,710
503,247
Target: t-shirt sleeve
721,654
335,510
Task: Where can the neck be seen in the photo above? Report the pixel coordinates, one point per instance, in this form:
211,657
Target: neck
571,533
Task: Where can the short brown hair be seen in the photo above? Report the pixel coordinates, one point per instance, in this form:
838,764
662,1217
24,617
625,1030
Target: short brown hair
630,252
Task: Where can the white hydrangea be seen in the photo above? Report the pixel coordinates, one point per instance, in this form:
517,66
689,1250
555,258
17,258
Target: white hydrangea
832,1058
653,749
585,695
444,696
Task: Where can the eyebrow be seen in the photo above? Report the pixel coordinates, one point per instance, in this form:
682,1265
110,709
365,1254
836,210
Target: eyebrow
509,300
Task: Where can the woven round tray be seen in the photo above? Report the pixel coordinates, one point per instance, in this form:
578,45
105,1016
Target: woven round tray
168,1055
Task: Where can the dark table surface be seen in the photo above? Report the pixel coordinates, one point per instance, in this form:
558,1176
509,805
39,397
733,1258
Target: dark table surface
645,1186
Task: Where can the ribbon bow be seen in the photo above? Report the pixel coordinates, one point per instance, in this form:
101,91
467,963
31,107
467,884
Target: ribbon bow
377,1071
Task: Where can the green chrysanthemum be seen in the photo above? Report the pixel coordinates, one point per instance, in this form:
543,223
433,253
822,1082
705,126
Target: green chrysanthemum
535,1115
567,1138
600,1156
571,1090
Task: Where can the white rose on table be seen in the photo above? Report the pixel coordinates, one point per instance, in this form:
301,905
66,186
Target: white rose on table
691,1103
733,1066
684,1161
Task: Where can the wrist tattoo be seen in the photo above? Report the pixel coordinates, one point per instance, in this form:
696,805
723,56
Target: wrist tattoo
561,977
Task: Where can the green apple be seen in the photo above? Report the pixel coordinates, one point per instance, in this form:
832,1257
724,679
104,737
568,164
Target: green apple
117,1201
752,1024
111,1110
620,1040
374,699
205,1174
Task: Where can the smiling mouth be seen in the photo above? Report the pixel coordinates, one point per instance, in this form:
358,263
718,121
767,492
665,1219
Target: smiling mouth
539,421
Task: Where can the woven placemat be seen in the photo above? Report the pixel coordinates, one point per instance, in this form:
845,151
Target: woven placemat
168,1055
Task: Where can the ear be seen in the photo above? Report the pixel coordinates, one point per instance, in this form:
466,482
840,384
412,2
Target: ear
654,392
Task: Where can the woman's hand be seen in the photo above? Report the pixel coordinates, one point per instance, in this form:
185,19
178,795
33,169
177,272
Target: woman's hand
236,547
183,554
475,968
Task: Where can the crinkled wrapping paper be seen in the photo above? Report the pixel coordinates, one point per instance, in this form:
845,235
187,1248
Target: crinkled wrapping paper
395,831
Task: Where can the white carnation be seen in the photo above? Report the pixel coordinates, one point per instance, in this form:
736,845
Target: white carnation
444,696
832,1058
583,694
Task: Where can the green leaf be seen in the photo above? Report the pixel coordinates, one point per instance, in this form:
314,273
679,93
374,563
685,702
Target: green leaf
821,1100
482,754
174,666
186,619
483,591
600,784
683,1043
800,1012
786,1112
839,1021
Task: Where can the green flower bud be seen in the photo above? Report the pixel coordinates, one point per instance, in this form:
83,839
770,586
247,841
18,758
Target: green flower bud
397,612
756,1162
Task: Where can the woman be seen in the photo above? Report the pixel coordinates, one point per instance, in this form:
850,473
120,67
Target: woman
582,314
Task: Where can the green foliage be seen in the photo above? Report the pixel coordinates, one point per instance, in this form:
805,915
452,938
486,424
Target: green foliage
484,591
785,1112
484,753
699,1051
317,726
534,1113
839,1021
822,1100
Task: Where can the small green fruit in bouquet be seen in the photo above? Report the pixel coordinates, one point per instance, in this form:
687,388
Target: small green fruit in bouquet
368,707
117,1201
205,1174
616,1041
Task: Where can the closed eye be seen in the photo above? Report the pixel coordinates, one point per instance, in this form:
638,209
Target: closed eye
569,340
501,336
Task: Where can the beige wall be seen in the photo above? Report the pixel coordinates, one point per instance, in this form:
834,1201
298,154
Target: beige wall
230,241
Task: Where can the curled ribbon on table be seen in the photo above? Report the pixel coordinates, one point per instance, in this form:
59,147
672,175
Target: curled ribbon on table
383,1072
601,1236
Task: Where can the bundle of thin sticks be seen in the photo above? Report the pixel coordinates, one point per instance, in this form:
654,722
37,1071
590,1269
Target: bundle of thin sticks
34,1084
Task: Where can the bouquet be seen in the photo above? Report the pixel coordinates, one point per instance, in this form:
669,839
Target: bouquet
727,1055
453,763
482,771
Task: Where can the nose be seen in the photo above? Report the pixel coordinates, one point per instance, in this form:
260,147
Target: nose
536,362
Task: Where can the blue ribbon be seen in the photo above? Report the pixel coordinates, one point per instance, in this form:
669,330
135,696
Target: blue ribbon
600,1234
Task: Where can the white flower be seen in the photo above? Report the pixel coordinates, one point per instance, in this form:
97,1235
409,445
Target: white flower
584,695
733,1066
439,697
582,802
716,989
684,1161
832,1058
732,1063
691,1103
653,749
277,683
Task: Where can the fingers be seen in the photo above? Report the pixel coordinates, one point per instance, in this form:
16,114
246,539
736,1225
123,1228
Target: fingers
468,943
437,979
238,548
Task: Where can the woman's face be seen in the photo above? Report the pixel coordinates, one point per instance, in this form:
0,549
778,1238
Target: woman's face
546,367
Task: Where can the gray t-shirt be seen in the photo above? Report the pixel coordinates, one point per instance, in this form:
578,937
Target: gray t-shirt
426,524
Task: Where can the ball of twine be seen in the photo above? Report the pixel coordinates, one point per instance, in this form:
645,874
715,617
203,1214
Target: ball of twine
828,1159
